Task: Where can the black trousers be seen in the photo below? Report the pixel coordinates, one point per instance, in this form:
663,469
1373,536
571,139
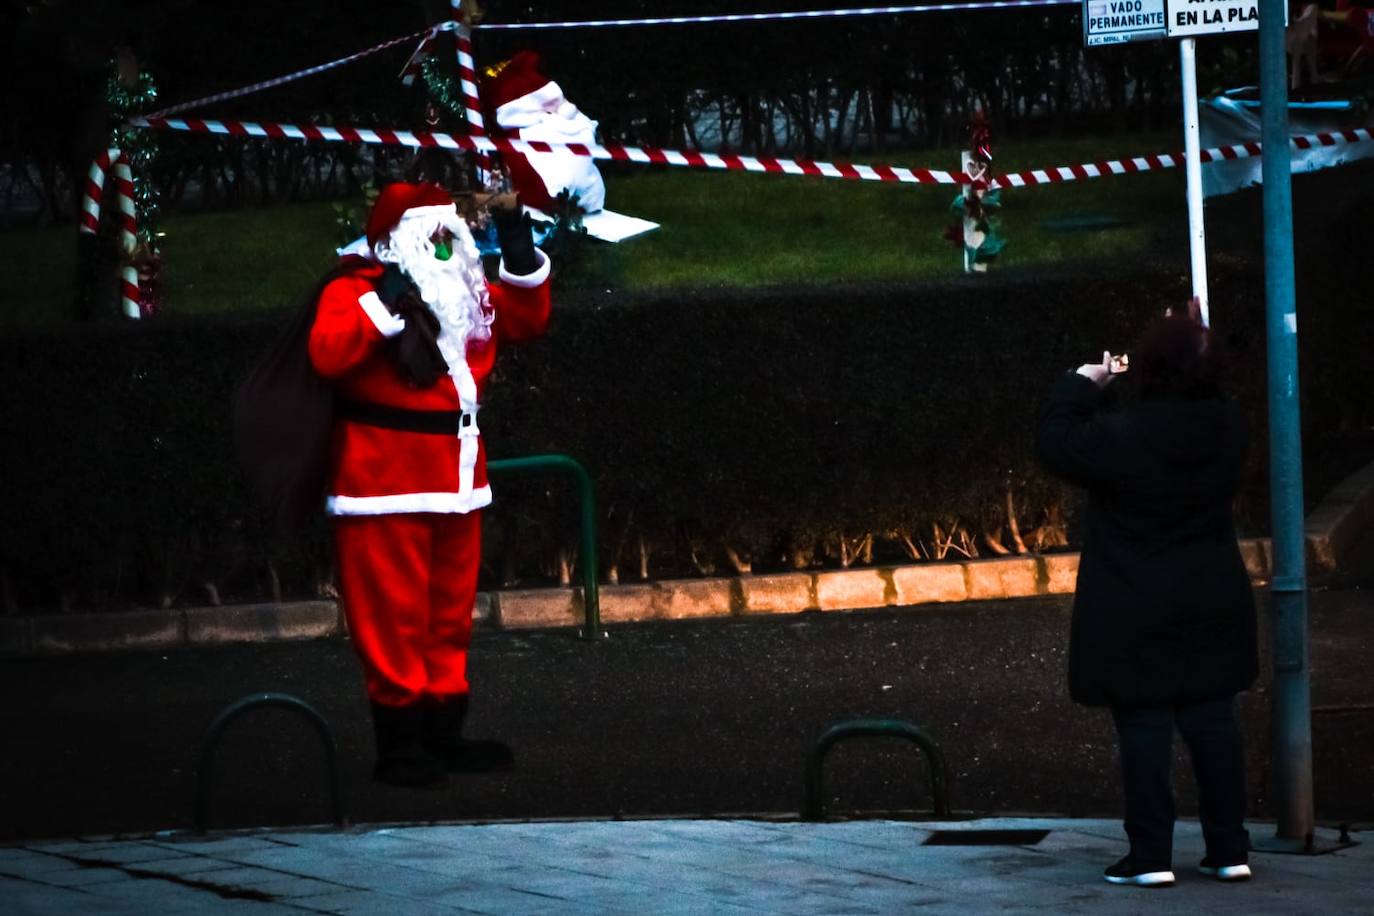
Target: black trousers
1214,743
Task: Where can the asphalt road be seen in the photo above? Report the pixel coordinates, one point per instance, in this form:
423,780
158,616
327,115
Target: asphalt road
673,718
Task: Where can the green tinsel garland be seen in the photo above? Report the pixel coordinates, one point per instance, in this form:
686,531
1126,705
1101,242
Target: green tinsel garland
442,87
140,146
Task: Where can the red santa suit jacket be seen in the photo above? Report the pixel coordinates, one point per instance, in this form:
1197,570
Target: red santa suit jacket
376,470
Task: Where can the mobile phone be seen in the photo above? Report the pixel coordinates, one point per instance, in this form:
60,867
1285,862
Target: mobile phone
1119,364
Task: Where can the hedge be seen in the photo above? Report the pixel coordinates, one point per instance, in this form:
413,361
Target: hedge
759,428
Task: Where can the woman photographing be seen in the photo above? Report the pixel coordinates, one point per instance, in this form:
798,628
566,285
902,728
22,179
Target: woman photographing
1163,628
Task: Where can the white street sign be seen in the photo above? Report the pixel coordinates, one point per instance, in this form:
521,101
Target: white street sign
1211,17
1109,22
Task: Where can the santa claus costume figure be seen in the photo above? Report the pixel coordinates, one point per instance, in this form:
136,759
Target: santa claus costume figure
527,105
408,337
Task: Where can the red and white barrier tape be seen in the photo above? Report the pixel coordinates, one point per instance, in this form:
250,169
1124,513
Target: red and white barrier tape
411,71
804,14
727,162
611,152
1168,160
427,34
114,162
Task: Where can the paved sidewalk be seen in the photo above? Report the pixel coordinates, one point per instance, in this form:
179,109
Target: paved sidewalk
659,867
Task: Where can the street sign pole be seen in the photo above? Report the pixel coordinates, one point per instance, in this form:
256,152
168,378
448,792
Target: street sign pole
1291,750
1192,146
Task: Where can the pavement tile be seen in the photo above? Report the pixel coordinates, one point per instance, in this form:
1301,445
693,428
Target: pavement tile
82,877
370,903
872,834
230,907
1330,867
25,898
495,900
73,846
305,862
557,882
701,906
157,895
188,866
569,908
218,846
773,896
130,854
407,882
245,877
728,832
25,862
287,886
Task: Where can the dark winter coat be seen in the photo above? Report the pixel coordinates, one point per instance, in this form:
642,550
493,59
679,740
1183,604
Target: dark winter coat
1163,612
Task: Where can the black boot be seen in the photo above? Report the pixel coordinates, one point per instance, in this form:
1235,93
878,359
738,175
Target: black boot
401,756
444,739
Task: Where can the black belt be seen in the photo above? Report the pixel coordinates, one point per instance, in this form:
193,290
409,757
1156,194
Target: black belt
436,422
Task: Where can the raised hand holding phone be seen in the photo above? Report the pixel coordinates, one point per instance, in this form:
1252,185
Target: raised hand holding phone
1098,373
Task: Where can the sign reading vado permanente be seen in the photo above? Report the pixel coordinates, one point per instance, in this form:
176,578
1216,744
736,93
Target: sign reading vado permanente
1208,17
1109,22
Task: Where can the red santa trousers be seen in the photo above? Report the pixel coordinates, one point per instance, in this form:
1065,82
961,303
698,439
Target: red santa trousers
408,582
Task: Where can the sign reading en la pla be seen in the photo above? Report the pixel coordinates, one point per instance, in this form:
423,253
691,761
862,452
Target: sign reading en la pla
1208,17
1109,22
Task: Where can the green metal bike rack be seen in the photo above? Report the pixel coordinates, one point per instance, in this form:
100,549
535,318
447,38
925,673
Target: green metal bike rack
591,596
205,774
813,805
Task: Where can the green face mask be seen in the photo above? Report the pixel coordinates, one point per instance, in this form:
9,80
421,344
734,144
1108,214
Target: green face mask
442,251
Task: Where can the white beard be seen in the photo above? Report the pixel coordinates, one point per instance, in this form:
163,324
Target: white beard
548,115
455,290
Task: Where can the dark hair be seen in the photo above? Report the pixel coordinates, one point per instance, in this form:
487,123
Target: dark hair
1177,357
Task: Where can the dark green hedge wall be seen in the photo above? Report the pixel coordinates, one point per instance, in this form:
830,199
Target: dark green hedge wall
769,422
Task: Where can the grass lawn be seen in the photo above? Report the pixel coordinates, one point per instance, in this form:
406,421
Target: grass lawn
718,228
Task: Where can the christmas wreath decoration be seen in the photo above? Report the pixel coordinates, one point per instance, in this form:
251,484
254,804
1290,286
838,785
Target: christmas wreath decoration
976,230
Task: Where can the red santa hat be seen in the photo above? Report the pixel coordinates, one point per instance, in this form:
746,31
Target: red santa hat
520,79
396,200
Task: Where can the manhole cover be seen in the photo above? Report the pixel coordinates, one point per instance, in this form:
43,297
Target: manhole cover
985,837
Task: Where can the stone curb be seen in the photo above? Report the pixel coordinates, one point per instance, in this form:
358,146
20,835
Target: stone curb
1331,529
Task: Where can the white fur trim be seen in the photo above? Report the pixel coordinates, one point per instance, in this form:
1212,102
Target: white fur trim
530,280
430,210
408,502
390,325
358,247
520,112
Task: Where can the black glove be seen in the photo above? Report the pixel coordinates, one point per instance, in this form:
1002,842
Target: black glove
393,284
416,349
515,235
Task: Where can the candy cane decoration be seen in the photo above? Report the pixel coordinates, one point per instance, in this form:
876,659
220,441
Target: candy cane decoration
95,191
113,161
128,236
472,104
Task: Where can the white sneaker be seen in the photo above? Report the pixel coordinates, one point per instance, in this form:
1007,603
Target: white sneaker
1238,872
1127,872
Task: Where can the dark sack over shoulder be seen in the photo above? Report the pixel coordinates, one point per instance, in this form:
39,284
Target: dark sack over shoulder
283,416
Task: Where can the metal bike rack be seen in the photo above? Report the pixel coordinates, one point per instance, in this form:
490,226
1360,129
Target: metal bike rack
205,773
813,806
591,596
